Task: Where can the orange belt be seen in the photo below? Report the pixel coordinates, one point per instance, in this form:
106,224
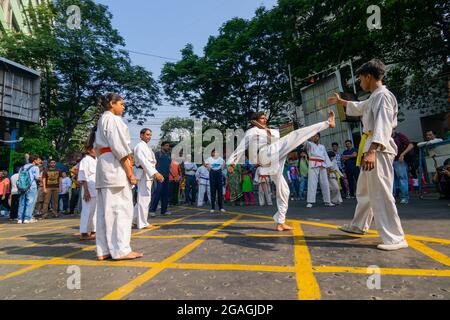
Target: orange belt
105,150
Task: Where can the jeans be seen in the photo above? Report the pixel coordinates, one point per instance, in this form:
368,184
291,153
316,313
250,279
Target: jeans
303,184
295,191
26,204
174,190
190,189
215,182
74,200
352,177
161,193
401,179
64,198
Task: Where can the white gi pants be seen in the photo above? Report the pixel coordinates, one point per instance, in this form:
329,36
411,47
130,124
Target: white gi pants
264,194
335,193
144,197
282,148
114,219
201,194
88,215
318,175
375,200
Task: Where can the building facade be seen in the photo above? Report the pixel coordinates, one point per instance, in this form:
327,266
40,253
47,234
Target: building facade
13,14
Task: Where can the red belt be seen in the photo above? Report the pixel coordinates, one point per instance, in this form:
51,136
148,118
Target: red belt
316,160
105,150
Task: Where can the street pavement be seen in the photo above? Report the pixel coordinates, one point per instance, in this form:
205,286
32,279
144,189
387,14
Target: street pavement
194,254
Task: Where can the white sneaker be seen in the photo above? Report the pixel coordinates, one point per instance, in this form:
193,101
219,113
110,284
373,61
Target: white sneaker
19,221
223,210
152,214
392,247
292,199
404,201
351,229
29,221
309,205
330,204
211,211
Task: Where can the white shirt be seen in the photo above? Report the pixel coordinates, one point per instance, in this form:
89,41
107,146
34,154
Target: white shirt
379,115
317,151
215,163
189,168
87,169
144,157
66,185
14,179
202,176
421,144
112,133
335,168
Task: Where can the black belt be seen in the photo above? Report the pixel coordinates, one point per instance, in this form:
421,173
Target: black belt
139,167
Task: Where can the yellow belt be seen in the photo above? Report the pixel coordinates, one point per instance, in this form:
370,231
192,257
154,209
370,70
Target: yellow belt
364,137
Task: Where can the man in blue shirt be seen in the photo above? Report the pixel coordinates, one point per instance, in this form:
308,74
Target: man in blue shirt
163,160
349,157
27,199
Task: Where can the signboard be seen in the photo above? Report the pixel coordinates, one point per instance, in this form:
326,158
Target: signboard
316,108
19,92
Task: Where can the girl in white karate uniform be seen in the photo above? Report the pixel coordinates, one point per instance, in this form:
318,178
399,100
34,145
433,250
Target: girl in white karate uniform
114,179
86,175
270,152
202,176
334,175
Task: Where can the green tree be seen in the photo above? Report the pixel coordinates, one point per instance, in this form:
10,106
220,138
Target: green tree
79,65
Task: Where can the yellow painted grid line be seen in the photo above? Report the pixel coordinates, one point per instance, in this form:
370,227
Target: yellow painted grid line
429,252
140,280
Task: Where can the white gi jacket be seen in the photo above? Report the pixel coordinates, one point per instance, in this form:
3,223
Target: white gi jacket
202,176
112,133
87,171
144,162
379,115
256,140
317,151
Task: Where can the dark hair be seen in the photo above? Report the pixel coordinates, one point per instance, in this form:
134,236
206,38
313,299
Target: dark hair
331,154
256,115
374,67
165,142
51,160
434,132
34,157
317,134
335,144
348,141
143,131
103,104
447,162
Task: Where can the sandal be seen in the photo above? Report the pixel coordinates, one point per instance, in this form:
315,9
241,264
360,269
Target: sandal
130,256
102,258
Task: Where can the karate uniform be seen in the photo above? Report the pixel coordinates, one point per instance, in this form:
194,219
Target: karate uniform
144,170
202,176
335,192
114,197
264,192
273,156
374,188
87,172
317,172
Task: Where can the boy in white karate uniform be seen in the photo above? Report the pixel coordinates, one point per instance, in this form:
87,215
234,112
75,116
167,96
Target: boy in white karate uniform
114,178
145,172
86,175
334,176
202,176
317,171
271,156
377,152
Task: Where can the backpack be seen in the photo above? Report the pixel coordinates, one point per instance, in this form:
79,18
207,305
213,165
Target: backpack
24,182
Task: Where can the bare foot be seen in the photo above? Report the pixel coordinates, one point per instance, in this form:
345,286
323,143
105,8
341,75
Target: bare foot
102,258
85,237
131,256
283,227
332,119
150,226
